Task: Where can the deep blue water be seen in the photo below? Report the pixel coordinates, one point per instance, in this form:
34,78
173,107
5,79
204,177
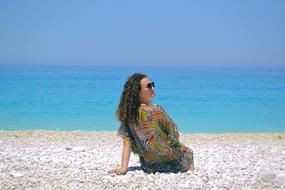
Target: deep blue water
199,100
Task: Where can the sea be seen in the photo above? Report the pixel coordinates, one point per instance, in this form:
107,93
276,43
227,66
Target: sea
198,99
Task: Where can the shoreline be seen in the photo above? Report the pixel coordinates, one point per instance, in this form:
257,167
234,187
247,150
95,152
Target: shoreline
114,131
44,159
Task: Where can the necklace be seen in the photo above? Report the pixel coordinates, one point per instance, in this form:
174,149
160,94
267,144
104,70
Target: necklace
147,107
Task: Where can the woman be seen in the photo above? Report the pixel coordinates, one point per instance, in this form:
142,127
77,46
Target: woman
148,131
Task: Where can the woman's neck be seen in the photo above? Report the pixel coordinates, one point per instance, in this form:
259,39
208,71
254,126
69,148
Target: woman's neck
145,104
147,107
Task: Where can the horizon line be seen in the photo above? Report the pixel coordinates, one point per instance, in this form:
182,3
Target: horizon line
146,66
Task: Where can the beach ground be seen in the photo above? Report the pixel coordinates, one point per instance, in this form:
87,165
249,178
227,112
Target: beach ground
80,160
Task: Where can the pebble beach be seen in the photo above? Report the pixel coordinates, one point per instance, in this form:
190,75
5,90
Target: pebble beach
81,160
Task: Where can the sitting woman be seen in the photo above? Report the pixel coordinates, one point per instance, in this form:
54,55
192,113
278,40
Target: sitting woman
148,131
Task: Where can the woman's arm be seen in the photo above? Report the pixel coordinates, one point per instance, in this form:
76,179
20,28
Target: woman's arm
125,158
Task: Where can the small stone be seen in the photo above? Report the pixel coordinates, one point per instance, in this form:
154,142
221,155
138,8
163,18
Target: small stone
267,176
59,149
56,159
79,149
68,148
184,185
16,174
280,178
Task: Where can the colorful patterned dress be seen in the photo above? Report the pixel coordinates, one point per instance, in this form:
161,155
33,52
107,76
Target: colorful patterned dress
155,139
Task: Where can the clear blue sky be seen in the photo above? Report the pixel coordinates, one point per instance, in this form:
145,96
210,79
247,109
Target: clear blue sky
196,33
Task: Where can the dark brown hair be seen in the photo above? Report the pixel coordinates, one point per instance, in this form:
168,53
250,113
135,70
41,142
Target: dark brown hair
130,101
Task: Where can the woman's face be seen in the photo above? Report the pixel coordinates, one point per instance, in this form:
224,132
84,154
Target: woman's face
147,91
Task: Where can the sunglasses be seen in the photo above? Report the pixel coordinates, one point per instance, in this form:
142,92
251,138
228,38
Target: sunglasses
150,85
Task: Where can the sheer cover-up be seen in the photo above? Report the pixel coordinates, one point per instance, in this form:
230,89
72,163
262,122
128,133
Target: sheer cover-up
157,142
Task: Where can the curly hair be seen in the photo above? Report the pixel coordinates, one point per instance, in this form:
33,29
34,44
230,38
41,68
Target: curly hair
127,110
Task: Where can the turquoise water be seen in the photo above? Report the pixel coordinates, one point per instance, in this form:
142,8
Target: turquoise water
199,100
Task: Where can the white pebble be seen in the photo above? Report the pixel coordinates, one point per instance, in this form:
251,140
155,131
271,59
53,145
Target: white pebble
79,149
16,174
184,185
267,176
280,178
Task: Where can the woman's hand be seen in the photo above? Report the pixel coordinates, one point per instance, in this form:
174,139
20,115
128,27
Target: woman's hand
118,171
184,148
125,159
